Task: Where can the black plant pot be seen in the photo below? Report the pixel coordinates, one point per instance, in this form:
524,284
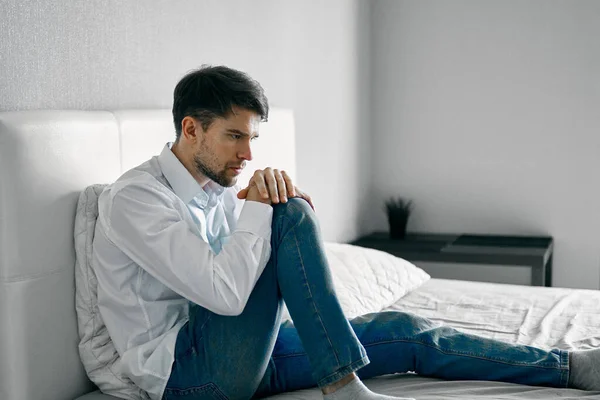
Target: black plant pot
398,224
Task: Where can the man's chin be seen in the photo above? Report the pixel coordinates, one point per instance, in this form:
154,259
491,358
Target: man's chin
231,183
231,180
228,182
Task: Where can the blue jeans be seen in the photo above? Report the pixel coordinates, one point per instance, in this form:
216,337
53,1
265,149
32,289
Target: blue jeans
256,355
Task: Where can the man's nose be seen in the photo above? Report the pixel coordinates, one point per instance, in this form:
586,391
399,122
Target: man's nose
246,152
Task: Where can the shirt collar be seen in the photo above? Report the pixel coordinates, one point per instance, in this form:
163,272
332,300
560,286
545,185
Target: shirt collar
183,183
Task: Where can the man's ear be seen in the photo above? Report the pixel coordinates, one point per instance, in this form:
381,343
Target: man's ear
188,129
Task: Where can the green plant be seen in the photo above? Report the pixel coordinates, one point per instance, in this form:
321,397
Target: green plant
398,210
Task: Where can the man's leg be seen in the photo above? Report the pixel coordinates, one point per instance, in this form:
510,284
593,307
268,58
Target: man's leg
229,355
219,356
401,342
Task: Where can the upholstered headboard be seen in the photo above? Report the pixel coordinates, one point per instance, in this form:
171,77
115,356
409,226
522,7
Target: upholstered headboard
46,159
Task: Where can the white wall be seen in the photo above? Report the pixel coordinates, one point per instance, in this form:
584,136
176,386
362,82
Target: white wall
487,114
108,54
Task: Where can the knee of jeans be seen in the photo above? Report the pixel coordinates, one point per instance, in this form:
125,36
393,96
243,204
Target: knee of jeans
295,209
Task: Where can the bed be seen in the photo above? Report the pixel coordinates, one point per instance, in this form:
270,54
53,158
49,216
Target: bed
47,158
542,317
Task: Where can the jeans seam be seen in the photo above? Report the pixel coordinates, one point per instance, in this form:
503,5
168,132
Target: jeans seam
565,368
288,355
311,295
196,340
469,354
204,324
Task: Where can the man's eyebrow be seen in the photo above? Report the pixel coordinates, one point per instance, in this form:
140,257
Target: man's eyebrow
238,132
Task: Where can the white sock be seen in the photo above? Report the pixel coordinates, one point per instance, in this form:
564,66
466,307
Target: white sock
356,390
585,369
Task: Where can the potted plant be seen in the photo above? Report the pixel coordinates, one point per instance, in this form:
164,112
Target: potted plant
398,211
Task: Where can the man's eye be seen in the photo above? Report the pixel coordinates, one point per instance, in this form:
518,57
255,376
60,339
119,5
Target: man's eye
236,137
254,138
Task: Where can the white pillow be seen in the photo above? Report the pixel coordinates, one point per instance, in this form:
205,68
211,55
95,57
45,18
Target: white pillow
97,352
368,280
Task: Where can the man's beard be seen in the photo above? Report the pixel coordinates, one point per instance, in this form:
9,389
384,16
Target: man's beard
218,177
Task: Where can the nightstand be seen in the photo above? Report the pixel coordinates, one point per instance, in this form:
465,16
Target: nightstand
531,251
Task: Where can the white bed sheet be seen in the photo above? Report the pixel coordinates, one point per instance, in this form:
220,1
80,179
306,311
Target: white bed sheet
543,317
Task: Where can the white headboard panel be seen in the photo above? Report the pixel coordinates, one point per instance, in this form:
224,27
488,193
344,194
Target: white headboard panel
46,159
143,132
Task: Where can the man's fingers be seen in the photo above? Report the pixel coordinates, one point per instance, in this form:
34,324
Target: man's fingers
276,185
243,193
291,189
306,197
259,181
309,199
281,186
271,184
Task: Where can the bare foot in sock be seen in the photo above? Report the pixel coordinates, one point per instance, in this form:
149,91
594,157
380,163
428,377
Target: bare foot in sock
356,390
585,369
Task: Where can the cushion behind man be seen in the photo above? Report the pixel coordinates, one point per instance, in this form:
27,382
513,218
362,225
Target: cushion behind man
96,350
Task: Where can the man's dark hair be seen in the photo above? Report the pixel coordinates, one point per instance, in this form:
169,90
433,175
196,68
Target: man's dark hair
211,92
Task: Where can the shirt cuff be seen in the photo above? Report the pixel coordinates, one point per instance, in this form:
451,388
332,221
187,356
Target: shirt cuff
256,218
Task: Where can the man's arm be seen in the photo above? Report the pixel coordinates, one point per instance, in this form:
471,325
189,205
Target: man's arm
147,225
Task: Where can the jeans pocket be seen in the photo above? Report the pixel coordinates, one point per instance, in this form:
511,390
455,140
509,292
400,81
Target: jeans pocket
208,391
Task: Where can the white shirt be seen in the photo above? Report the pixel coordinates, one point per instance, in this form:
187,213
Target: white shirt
161,241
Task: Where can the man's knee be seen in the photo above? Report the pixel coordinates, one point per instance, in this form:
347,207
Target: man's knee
296,215
295,208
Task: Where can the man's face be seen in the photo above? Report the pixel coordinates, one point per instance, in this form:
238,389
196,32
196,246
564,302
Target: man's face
223,149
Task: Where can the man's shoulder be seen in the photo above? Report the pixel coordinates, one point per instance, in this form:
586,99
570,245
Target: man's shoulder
145,180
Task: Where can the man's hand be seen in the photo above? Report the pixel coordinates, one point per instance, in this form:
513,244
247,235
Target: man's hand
272,186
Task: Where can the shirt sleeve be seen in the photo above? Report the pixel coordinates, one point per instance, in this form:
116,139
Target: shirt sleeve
147,224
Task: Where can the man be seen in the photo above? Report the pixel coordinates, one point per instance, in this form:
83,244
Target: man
192,272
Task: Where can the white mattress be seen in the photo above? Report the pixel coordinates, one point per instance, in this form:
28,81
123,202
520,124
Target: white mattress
543,317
